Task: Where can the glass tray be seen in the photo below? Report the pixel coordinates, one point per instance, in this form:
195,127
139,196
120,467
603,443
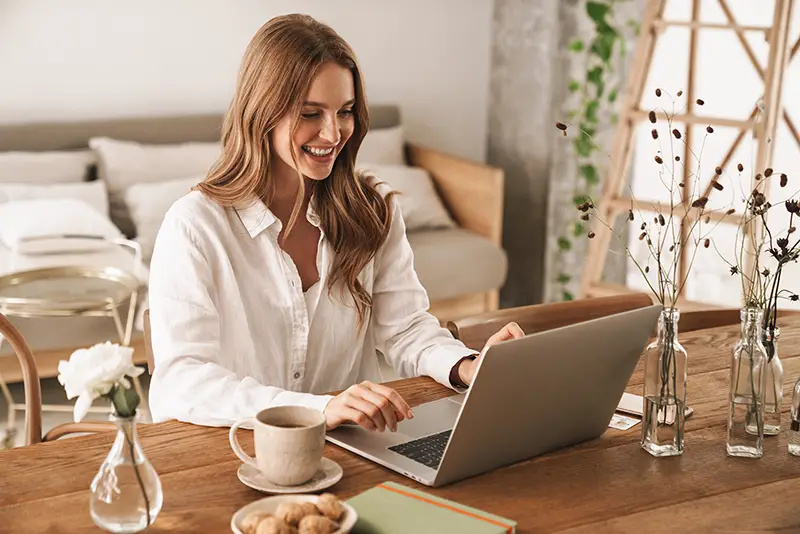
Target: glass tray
65,291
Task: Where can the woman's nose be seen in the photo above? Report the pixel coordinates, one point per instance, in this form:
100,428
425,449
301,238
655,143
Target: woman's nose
330,131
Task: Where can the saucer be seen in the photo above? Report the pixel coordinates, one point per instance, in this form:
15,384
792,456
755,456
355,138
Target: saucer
329,474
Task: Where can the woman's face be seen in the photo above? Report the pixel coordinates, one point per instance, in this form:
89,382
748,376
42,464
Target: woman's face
325,124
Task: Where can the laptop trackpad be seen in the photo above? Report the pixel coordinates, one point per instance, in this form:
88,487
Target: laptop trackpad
432,417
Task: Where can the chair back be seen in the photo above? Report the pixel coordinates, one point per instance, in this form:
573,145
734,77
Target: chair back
148,344
476,330
30,380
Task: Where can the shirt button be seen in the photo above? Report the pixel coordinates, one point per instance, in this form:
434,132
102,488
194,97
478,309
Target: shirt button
296,376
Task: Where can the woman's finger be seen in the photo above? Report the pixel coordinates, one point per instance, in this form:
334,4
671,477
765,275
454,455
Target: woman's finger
394,397
370,409
383,404
347,413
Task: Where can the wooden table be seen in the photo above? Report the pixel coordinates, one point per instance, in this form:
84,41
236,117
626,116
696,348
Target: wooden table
608,484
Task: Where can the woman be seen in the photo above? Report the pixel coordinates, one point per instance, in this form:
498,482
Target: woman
279,277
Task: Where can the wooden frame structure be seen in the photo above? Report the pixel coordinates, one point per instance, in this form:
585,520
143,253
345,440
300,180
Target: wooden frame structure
613,202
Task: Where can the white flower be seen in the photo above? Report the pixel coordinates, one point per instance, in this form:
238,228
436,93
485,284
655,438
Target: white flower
93,372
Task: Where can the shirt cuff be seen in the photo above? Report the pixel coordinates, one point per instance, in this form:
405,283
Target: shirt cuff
438,363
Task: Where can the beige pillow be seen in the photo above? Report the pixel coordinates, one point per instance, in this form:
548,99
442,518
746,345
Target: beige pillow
419,202
122,164
384,146
92,193
45,167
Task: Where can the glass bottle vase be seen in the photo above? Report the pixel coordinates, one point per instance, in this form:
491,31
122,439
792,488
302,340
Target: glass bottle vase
126,494
746,389
794,423
773,394
664,389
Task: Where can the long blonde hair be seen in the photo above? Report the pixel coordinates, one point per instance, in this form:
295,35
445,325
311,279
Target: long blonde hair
276,73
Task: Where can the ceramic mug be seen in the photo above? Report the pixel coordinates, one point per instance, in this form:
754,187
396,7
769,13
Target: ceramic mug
289,442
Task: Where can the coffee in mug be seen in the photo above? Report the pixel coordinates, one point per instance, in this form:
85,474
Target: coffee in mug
289,441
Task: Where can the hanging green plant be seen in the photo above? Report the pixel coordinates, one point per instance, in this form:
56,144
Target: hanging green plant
594,96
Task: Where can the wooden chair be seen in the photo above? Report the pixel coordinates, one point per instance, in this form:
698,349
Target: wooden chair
476,330
33,392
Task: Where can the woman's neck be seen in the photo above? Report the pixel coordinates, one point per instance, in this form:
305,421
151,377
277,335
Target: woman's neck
285,195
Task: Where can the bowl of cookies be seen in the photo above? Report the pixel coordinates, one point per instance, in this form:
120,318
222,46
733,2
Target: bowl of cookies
295,514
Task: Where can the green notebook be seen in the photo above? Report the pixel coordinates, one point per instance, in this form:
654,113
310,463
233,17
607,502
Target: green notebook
391,508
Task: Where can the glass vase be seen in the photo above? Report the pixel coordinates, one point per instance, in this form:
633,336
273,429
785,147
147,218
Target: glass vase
126,494
664,389
746,391
794,425
773,394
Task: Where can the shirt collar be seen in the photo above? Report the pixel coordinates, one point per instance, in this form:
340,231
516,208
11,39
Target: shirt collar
257,217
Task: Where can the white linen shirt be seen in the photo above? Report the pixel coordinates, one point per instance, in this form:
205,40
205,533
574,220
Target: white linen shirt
234,333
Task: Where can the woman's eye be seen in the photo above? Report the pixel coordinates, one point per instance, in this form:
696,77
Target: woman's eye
346,112
309,115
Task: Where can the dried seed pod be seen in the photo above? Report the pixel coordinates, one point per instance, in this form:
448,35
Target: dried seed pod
630,215
661,220
740,167
716,185
681,184
707,243
659,160
730,211
794,298
783,242
677,158
718,171
700,202
784,180
676,133
708,219
768,172
765,272
585,217
680,93
734,270
655,220
649,242
654,133
644,225
709,129
758,177
642,235
700,101
590,235
646,268
658,92
652,116
791,230
561,126
672,248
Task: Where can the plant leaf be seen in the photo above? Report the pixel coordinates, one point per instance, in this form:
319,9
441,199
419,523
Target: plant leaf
574,86
612,96
576,45
583,146
591,111
597,11
589,172
125,401
577,229
564,243
566,295
595,76
563,278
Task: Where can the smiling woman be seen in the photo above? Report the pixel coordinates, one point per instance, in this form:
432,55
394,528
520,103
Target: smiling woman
280,277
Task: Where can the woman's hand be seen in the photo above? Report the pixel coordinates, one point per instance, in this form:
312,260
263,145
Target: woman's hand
466,371
373,406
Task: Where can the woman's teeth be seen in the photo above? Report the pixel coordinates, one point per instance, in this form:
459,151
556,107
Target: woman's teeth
318,151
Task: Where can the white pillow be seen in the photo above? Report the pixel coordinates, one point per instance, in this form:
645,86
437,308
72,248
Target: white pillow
420,204
40,226
122,164
149,203
45,167
93,193
384,146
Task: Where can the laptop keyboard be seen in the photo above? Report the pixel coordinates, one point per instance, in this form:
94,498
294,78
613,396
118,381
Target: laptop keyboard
427,451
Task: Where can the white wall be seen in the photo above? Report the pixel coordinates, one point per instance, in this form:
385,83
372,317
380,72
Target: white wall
94,58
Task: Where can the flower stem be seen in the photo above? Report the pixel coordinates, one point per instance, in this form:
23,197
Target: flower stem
138,475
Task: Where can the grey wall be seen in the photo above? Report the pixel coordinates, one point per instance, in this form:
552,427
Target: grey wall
531,67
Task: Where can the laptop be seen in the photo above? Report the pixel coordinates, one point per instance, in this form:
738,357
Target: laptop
530,396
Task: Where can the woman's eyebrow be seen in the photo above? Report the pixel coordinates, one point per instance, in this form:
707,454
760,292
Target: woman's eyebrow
321,105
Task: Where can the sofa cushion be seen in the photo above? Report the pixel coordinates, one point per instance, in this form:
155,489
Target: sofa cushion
456,262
